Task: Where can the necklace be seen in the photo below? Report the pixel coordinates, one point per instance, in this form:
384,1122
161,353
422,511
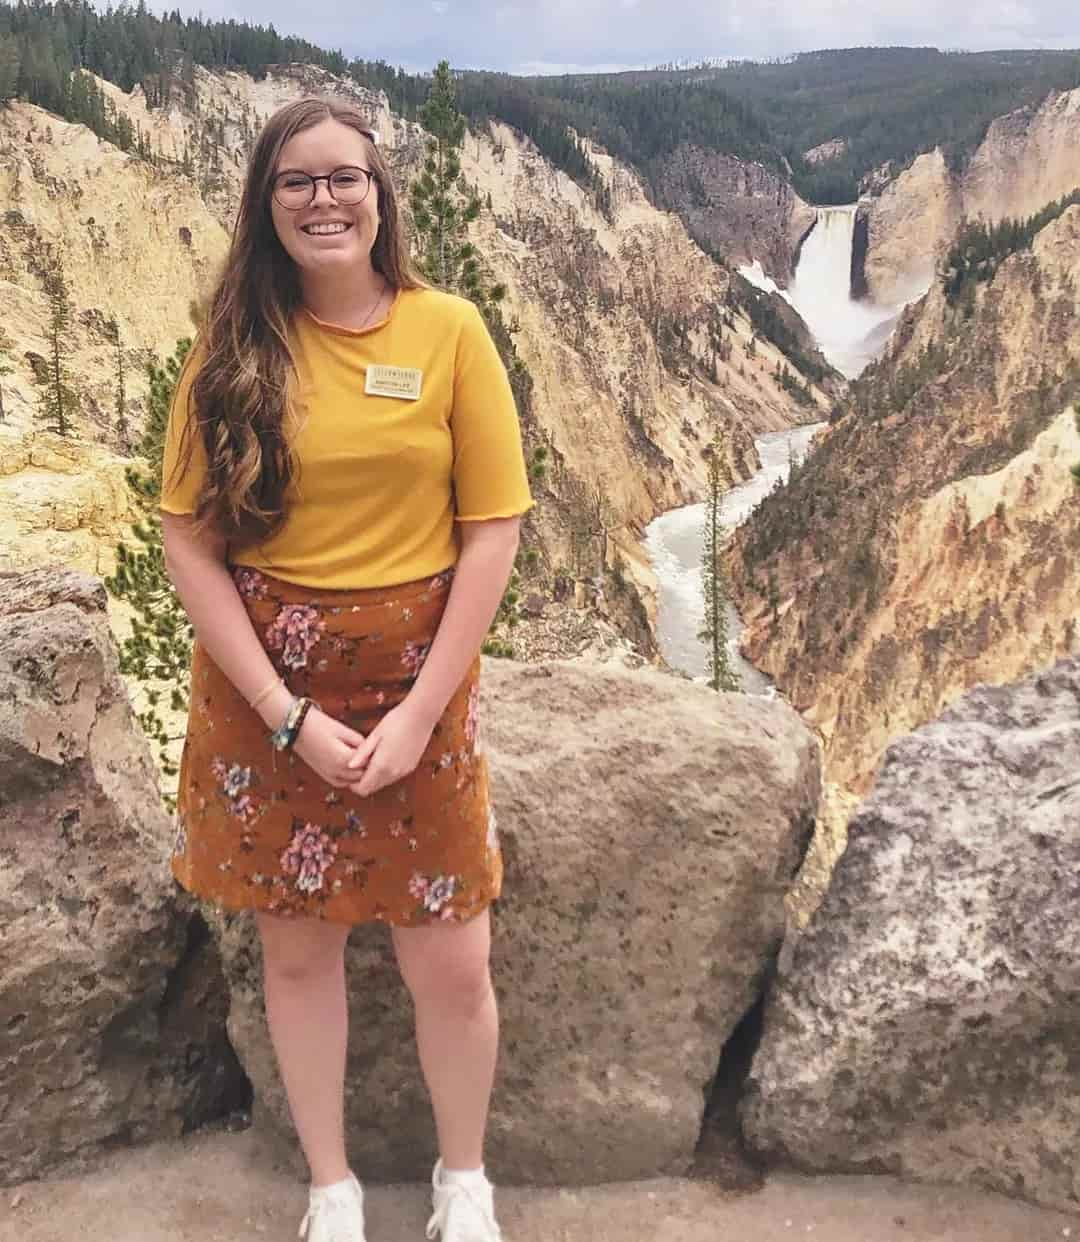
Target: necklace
368,316
375,307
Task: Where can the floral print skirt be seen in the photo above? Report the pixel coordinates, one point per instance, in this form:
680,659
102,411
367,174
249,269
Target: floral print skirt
258,829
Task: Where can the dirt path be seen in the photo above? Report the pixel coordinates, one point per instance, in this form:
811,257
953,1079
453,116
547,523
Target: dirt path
211,1188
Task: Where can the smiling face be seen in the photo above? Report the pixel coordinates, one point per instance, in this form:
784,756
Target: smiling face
304,234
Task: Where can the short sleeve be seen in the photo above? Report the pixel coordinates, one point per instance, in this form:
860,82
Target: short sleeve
490,479
180,488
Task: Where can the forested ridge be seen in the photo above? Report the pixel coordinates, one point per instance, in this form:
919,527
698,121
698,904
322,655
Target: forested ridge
980,248
887,104
43,46
890,104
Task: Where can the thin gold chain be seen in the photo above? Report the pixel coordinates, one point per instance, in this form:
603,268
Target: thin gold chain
375,306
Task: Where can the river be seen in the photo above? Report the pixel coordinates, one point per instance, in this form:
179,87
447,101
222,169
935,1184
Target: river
850,334
674,542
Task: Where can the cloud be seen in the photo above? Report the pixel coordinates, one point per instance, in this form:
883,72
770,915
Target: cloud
516,34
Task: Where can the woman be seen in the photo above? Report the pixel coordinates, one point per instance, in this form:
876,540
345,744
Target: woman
342,487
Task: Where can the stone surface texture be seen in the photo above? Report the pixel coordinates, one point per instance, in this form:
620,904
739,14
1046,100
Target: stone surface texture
925,1023
111,1022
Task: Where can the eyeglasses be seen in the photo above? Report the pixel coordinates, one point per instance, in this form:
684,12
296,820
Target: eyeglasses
349,185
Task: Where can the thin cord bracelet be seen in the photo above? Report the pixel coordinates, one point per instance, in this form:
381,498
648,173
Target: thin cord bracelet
278,681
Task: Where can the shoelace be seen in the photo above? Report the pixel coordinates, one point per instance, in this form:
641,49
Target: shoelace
315,1210
451,1193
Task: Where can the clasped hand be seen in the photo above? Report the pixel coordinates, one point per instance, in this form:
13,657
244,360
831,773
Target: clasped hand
347,759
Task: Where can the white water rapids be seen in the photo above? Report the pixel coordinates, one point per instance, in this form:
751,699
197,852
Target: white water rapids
850,334
674,542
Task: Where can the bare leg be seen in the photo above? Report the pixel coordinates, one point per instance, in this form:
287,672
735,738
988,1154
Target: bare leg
304,982
445,967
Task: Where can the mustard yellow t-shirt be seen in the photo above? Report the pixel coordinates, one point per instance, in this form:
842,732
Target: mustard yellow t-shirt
381,479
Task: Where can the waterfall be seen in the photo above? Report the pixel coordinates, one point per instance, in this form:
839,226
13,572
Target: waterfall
850,333
823,278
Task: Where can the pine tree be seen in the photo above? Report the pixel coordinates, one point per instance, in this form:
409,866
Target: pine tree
158,651
9,67
57,400
714,627
6,346
443,206
123,427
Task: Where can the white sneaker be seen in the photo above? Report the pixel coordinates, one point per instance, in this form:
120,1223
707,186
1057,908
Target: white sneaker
462,1213
335,1214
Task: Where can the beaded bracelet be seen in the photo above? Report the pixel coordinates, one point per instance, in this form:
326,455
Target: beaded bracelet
305,706
287,732
279,736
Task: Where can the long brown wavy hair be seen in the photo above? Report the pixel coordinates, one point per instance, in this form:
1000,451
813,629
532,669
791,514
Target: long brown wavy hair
243,391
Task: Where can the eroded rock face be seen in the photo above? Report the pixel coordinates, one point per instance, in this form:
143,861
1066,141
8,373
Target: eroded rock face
741,210
827,151
111,1015
1028,159
925,1023
909,228
650,830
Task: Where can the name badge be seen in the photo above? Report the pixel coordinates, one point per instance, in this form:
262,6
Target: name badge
403,382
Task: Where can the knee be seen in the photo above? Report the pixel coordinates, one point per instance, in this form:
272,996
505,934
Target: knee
461,985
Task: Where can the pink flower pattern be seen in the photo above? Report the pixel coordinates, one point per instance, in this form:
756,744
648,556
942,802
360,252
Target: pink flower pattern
294,631
235,782
262,830
434,895
308,857
249,582
413,657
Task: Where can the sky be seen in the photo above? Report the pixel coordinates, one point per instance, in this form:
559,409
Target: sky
547,36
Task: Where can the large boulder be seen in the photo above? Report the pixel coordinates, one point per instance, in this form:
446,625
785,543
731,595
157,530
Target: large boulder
111,998
927,1023
650,830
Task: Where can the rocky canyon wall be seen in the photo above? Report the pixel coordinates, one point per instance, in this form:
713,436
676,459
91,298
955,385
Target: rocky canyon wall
743,211
1029,158
138,245
931,540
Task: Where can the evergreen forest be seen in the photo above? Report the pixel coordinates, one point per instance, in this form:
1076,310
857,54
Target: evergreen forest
887,104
